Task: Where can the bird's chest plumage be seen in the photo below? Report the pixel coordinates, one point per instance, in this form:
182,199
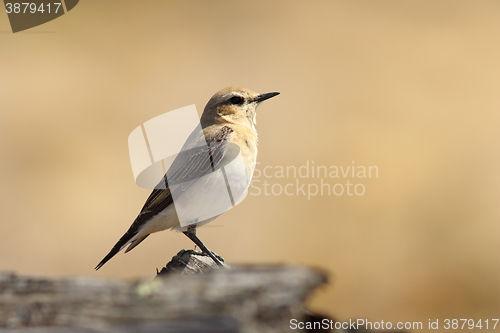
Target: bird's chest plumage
246,140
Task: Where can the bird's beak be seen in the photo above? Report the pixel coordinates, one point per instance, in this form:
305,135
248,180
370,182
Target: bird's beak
263,97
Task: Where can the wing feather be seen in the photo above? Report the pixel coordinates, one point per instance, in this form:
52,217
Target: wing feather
200,161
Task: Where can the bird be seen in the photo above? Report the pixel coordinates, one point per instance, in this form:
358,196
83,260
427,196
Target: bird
223,147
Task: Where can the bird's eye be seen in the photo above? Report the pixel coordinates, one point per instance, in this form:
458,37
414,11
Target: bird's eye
236,100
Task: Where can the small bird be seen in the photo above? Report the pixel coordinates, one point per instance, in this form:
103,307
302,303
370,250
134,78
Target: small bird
226,146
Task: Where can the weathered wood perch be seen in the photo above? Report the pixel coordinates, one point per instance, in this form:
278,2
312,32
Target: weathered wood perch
191,296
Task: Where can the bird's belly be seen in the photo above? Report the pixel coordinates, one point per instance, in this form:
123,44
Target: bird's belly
210,195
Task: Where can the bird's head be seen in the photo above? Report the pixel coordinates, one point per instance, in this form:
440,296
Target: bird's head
234,105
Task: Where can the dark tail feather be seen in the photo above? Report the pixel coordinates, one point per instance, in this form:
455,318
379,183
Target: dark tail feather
117,248
110,255
135,243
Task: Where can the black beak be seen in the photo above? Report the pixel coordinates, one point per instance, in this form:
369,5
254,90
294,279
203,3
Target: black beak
263,97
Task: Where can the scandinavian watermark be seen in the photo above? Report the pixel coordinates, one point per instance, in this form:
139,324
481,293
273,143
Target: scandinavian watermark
161,148
311,180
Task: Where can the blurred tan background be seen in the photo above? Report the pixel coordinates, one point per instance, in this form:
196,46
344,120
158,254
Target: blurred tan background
411,87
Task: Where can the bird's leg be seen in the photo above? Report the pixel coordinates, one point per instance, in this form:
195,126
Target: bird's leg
191,233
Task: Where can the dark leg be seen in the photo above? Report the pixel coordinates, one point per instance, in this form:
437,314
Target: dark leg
191,233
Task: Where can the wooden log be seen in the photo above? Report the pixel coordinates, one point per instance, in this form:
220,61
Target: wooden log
191,294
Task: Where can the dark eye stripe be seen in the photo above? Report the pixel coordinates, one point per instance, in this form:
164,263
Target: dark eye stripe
236,100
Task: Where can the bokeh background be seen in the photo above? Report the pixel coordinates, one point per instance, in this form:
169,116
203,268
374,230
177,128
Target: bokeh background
411,87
